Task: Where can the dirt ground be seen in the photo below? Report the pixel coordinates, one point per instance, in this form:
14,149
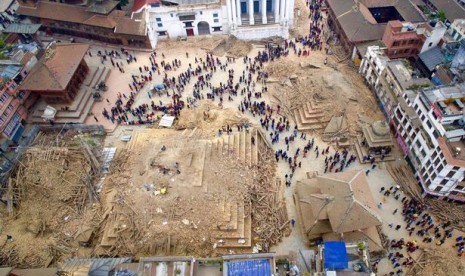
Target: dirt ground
181,218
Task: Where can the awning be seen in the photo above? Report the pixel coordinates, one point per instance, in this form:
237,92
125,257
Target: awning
49,113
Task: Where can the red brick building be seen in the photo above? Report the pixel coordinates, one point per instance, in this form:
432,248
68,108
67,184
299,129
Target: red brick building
400,41
408,40
59,73
98,21
14,106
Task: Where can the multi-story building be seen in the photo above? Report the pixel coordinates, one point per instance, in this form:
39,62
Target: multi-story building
358,22
428,123
245,19
457,29
14,105
408,40
97,20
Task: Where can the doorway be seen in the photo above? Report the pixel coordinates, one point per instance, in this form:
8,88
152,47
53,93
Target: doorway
190,32
203,28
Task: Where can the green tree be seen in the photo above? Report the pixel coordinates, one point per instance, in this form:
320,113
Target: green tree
123,3
441,15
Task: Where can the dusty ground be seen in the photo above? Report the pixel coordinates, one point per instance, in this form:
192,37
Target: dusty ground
338,85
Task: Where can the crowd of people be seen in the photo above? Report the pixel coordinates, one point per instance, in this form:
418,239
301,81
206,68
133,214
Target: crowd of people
420,225
247,88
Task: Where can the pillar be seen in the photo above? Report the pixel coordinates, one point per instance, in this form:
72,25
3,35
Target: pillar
276,11
228,8
282,10
233,12
264,19
250,7
238,12
289,10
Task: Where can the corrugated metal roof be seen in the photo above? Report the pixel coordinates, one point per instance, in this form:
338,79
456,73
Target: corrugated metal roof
98,267
432,58
19,28
11,71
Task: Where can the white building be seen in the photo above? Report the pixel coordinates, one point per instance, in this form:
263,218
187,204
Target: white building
457,29
245,19
428,121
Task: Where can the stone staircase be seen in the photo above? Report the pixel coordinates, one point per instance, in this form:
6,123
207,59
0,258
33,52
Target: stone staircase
310,117
235,226
362,151
96,75
240,144
81,106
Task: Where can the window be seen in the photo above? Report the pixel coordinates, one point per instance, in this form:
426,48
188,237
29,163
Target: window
440,167
430,44
215,15
12,125
435,154
201,12
429,124
216,20
187,24
158,19
458,187
186,17
217,29
160,25
438,189
4,97
450,174
162,33
172,15
444,181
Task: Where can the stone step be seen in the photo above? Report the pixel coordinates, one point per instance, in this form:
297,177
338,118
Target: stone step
220,147
226,145
309,120
102,75
305,113
93,72
237,138
247,147
303,127
242,146
255,148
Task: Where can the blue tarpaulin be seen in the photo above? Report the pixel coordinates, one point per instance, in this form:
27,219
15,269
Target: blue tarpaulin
335,255
260,267
436,80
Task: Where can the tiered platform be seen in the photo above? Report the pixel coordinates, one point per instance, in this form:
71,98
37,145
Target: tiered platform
362,151
310,117
79,109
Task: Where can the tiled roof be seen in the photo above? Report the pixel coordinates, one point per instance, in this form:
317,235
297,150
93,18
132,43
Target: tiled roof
116,20
138,4
357,28
56,68
350,205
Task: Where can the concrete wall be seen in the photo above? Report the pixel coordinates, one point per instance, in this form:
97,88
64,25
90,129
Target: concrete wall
259,32
176,28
